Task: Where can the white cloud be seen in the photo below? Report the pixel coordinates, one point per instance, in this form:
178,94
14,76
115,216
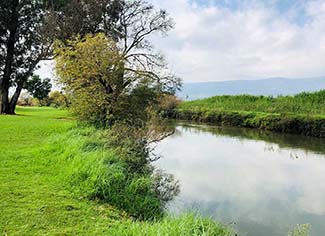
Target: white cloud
212,43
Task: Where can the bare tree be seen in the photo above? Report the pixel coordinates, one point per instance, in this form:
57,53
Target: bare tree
138,21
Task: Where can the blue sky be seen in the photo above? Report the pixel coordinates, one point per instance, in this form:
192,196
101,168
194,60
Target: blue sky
282,6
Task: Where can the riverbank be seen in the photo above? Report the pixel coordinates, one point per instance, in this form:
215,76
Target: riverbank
301,114
61,179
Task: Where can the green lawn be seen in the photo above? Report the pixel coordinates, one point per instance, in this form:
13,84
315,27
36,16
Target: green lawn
33,202
38,156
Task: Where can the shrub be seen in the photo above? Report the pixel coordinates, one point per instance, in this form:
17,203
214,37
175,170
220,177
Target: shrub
167,104
57,99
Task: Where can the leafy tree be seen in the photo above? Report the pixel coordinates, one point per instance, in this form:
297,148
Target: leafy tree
28,29
24,41
37,88
81,17
103,87
119,75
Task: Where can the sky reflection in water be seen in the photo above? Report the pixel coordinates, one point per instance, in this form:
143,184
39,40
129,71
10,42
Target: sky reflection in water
265,183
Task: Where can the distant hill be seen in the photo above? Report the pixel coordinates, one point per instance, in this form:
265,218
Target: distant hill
271,86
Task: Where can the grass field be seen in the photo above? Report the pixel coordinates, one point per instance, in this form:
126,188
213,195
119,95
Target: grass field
300,114
33,201
42,157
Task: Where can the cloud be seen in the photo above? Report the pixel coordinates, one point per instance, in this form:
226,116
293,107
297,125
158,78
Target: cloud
242,179
213,42
241,39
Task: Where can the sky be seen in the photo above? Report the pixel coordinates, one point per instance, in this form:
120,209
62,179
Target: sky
220,40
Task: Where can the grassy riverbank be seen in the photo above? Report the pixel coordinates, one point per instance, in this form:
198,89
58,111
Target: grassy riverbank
300,114
53,173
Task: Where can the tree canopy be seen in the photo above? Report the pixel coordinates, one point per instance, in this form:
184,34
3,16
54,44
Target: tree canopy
104,86
23,43
28,29
38,88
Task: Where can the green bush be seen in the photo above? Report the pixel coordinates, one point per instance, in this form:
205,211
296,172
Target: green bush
57,99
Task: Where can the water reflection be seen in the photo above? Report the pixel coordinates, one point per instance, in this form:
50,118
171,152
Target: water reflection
264,182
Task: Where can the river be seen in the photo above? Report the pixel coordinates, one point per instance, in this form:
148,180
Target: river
261,183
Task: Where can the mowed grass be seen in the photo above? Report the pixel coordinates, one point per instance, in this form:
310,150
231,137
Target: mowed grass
33,201
41,192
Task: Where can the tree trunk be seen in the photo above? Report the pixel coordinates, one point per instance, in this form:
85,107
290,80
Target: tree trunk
0,96
14,100
10,47
4,101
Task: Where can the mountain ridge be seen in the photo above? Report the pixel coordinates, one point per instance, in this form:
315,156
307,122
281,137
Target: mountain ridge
274,86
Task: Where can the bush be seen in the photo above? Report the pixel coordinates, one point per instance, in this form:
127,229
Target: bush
57,99
26,100
167,104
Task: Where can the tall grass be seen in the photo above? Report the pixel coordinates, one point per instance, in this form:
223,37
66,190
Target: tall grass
95,169
303,103
300,114
186,225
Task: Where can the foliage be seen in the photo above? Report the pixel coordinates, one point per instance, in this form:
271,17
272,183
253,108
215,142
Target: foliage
300,230
303,103
58,99
26,100
23,43
284,123
110,70
300,114
103,85
38,88
167,104
88,69
29,28
118,172
75,17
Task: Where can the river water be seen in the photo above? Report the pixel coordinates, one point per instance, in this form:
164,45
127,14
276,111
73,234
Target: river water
261,183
